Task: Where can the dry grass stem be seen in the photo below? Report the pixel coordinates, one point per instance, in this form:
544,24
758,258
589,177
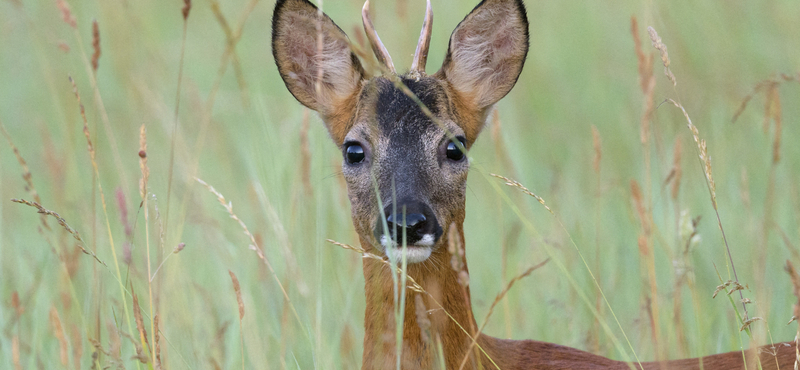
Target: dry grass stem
788,243
63,224
423,321
229,207
143,193
705,161
208,107
143,162
93,155
795,278
232,40
187,6
645,61
775,113
765,85
641,209
66,13
457,256
497,300
703,149
178,248
95,45
86,132
26,172
156,336
253,245
598,150
676,173
656,40
346,246
238,290
140,355
58,331
515,184
15,353
137,315
647,83
414,286
77,347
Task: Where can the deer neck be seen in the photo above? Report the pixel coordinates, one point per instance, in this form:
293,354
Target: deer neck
443,295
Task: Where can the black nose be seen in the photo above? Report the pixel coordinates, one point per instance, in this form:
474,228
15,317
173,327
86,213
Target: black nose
419,226
412,221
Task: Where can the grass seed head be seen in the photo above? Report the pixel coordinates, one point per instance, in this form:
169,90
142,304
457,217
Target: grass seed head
187,7
66,13
143,161
15,304
63,223
158,343
238,290
95,45
747,323
662,49
137,315
516,184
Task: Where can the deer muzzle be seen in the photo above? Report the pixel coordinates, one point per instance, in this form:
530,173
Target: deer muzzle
409,224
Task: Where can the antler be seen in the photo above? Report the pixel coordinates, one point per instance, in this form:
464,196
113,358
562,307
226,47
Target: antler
421,55
377,46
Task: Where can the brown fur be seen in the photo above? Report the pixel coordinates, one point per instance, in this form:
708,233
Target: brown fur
481,66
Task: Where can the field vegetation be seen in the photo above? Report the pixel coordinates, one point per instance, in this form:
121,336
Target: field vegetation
112,110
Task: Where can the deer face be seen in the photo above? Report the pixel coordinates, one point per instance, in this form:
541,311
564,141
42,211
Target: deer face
405,167
396,153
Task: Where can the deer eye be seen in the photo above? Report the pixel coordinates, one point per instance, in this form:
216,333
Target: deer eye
453,152
354,153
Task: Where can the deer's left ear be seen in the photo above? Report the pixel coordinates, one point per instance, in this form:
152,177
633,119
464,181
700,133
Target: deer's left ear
486,54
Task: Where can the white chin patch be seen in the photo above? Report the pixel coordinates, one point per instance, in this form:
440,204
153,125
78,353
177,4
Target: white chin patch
415,253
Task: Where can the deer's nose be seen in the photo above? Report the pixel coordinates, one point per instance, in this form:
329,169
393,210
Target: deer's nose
412,222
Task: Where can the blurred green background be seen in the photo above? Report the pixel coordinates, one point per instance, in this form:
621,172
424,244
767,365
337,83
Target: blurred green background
242,132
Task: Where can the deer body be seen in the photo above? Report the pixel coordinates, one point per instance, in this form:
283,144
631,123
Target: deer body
403,139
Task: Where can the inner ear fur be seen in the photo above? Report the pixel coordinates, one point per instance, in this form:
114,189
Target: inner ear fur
486,54
295,48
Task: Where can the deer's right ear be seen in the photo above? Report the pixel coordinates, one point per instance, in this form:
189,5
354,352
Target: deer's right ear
331,91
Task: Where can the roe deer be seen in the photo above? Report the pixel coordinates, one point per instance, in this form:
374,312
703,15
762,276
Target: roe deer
404,166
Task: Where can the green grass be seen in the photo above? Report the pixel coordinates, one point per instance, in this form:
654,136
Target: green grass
581,71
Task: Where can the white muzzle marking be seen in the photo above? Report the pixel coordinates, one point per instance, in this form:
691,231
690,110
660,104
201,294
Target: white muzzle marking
415,253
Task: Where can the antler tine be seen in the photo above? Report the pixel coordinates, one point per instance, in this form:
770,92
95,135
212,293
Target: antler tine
377,46
421,55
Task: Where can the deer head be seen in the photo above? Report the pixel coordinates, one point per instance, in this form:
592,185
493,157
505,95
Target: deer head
398,159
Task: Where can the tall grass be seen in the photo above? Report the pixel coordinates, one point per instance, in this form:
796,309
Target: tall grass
237,128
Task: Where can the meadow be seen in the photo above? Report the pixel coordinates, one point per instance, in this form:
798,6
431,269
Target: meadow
588,128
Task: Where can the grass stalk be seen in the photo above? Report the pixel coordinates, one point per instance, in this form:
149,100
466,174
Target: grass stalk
170,172
92,154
